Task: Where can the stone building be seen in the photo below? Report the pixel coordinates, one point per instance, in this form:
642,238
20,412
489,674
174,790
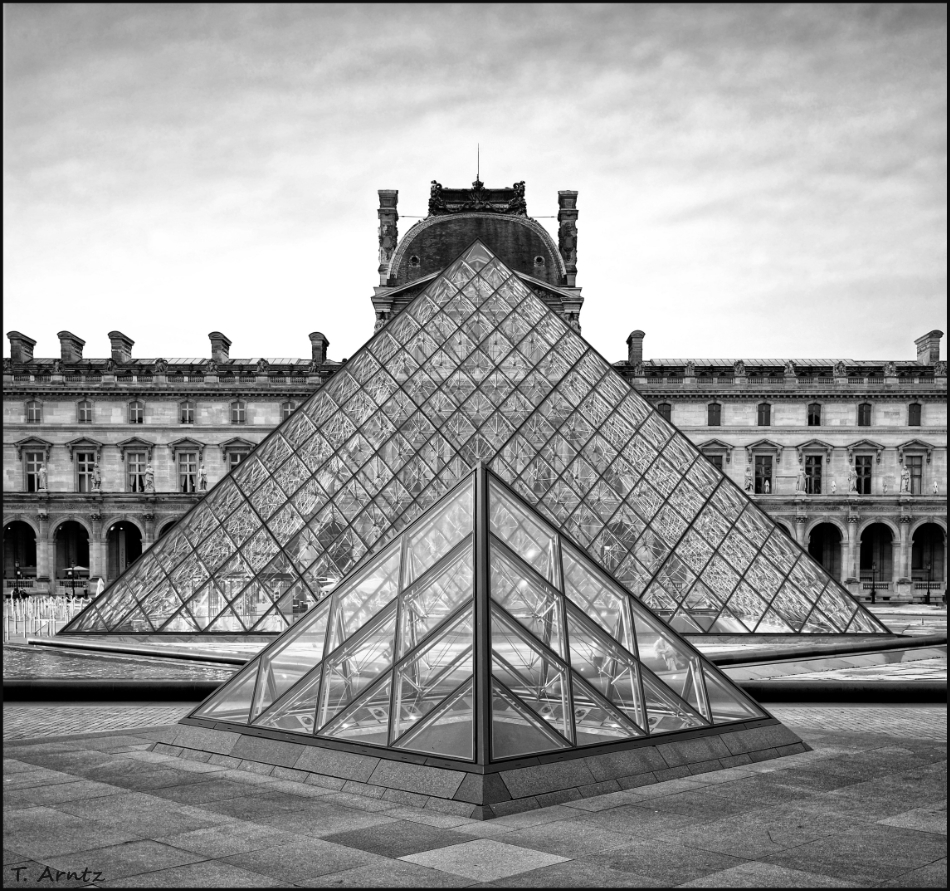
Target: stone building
101,456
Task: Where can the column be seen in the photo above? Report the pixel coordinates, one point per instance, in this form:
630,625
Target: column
800,530
850,563
902,563
44,564
97,551
148,539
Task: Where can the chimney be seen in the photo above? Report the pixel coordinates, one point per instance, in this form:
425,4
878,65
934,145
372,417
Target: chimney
220,347
121,347
388,233
70,346
21,347
567,234
928,347
318,346
635,347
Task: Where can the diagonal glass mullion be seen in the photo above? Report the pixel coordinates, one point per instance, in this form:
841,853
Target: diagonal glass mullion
533,719
410,731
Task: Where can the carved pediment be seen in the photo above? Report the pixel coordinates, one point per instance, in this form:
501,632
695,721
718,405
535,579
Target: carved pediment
815,445
764,445
33,444
136,444
187,444
865,445
236,444
84,444
715,447
915,445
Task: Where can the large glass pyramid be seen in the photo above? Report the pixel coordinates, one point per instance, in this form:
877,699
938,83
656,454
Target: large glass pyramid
480,634
477,368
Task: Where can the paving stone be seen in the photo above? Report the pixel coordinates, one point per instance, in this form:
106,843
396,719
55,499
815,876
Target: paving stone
203,793
482,789
290,773
568,838
417,778
324,782
220,742
58,792
129,859
397,839
578,873
209,874
450,808
391,874
604,802
267,751
934,875
529,781
665,860
644,759
224,760
366,789
256,767
484,859
922,819
224,839
409,799
691,751
303,859
641,820
637,780
670,773
251,807
318,818
334,763
765,875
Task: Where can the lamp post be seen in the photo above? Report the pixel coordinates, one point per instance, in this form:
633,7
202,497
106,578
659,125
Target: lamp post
927,594
71,572
873,582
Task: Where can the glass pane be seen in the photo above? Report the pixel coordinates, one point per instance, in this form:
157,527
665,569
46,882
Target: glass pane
515,730
449,730
296,711
605,666
357,602
595,719
440,532
728,703
534,543
536,607
366,721
666,712
424,607
603,602
233,701
535,678
355,665
285,664
427,678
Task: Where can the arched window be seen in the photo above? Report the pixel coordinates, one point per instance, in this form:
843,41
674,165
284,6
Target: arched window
84,411
665,410
286,410
814,415
913,414
714,414
764,415
864,414
186,412
238,412
136,412
34,412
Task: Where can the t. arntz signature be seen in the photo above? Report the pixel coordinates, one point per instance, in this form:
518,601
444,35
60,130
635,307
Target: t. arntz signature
56,875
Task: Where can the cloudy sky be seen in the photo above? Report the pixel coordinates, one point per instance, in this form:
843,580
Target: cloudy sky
755,181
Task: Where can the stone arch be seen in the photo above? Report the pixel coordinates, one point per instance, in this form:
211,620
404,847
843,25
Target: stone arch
22,518
922,521
824,544
70,547
123,518
54,527
834,521
886,521
19,549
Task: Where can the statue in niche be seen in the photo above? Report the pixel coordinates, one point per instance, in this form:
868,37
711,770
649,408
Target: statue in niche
766,487
748,482
936,488
841,370
436,201
202,478
890,369
834,487
738,367
852,480
149,478
905,480
96,477
790,368
568,241
884,488
41,475
801,484
517,205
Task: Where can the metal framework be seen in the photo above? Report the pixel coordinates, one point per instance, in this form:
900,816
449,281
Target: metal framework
475,369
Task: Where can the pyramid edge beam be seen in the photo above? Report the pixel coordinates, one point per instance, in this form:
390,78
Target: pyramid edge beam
480,792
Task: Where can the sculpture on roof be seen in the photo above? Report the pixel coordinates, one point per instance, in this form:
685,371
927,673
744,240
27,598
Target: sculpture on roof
262,366
890,369
841,370
738,367
436,201
517,205
110,365
211,367
161,366
790,368
690,370
940,369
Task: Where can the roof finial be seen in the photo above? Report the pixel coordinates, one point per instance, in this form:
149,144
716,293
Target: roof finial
478,162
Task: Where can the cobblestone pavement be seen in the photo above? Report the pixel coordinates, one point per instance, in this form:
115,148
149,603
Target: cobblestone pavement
865,808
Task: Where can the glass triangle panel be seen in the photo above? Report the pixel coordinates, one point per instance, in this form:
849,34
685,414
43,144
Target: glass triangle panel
667,712
864,623
287,661
530,673
232,702
595,719
449,730
429,603
426,678
727,703
818,623
594,595
532,541
515,730
296,710
535,606
727,622
684,623
773,623
356,664
228,621
609,669
270,621
367,720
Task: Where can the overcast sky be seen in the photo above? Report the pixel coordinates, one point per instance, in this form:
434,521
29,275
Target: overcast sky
755,181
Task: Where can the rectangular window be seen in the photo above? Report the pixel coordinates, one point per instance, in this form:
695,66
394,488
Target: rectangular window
814,415
813,474
85,412
913,414
862,468
85,461
237,413
235,458
864,414
715,460
136,413
763,474
915,464
34,461
714,414
765,415
34,412
286,410
187,471
665,410
187,414
135,467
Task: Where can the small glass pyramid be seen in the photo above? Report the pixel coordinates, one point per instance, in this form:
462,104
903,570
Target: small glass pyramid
476,368
479,634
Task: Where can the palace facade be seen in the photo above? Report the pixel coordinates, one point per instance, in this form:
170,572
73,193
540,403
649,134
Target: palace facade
103,455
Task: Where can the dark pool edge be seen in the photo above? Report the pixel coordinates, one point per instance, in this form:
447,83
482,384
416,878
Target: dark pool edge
766,691
899,642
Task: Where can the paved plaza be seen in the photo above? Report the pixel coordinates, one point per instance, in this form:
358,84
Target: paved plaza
865,808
